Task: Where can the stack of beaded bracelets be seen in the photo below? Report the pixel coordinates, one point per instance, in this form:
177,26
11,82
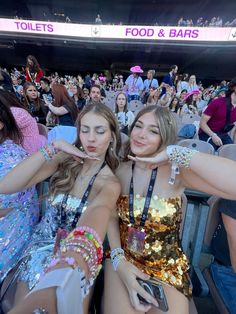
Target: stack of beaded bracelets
48,151
179,157
116,256
87,242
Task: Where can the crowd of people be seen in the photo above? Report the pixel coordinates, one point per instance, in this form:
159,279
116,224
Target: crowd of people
112,171
216,21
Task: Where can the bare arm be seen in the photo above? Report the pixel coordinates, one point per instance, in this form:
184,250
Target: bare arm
96,216
35,169
204,126
59,111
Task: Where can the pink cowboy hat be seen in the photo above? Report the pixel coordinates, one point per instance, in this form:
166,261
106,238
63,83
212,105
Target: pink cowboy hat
136,69
193,92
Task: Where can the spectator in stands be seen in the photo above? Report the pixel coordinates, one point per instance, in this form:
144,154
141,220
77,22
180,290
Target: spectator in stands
19,211
124,116
79,188
189,22
87,81
201,103
223,247
95,94
32,141
181,22
45,91
5,81
174,105
214,124
94,79
78,97
134,83
148,214
190,106
33,71
192,84
219,22
18,89
149,83
98,20
200,22
63,107
182,82
86,95
170,78
33,103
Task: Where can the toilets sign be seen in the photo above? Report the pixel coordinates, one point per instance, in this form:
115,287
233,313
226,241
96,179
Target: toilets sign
124,32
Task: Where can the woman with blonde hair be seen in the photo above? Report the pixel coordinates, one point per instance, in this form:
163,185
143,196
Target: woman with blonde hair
82,180
192,84
145,244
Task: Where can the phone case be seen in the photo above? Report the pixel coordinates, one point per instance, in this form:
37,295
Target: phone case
154,288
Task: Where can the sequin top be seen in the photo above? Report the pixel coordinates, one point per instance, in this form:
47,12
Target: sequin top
40,248
16,227
162,256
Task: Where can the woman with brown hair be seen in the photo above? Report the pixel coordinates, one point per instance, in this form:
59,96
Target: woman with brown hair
146,248
63,106
33,71
82,181
33,103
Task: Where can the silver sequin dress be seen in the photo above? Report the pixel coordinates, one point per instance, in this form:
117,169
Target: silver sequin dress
17,226
40,250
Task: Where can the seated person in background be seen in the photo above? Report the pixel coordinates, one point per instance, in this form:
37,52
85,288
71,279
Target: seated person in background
63,106
224,250
19,212
124,116
31,139
45,91
33,103
190,106
214,126
78,97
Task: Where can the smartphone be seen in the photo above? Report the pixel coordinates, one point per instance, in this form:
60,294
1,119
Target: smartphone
156,290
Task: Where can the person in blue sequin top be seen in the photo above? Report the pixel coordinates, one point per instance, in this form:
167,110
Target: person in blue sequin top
19,211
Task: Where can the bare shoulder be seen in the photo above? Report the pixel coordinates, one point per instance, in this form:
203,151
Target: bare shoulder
108,178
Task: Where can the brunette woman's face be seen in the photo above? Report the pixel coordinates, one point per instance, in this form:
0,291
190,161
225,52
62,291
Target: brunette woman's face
121,101
195,97
145,139
30,62
32,93
74,89
95,134
175,101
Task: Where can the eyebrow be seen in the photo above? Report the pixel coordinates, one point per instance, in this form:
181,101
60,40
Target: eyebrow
151,125
96,127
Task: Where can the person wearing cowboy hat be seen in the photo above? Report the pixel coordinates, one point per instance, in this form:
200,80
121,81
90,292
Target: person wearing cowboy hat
134,83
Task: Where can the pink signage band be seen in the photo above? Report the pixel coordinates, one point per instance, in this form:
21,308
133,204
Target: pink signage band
212,34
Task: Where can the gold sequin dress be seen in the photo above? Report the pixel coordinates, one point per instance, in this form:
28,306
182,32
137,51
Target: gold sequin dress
162,257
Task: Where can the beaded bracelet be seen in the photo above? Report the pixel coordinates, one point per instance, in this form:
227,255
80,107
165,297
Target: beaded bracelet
68,260
48,151
117,255
179,157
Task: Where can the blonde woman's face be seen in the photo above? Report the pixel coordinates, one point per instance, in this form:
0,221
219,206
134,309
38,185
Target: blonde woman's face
95,134
145,139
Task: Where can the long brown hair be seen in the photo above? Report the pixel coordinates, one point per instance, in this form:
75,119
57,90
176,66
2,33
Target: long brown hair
126,103
167,126
64,178
10,129
35,67
26,100
61,97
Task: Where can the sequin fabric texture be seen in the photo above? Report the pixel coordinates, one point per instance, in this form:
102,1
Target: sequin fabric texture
40,250
16,227
162,256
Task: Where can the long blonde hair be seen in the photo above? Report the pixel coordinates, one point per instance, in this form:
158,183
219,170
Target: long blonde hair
63,179
167,126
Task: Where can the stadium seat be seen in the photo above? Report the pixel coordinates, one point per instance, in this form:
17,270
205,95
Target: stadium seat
202,146
228,151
